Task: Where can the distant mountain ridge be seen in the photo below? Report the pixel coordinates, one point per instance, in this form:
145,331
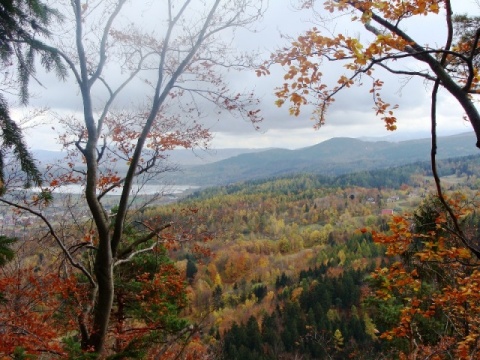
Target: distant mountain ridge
177,156
332,157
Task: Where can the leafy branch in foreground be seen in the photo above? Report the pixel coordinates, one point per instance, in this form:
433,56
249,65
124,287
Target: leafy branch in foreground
391,49
431,283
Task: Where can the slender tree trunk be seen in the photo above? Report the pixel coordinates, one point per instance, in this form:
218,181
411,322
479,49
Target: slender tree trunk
103,307
88,72
103,267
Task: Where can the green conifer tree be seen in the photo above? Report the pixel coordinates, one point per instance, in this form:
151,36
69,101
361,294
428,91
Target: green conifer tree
22,23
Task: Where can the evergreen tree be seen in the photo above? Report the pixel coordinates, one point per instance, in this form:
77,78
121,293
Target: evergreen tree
21,23
6,252
253,335
260,291
271,336
191,270
217,298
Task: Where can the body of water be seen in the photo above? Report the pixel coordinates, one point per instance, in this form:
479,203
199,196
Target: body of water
149,189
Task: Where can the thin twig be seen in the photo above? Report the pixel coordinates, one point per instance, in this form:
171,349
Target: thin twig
57,239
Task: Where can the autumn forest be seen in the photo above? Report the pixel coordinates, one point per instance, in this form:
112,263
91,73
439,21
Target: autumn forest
356,262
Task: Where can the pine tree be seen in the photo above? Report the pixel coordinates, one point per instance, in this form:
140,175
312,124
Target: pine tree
191,270
21,23
6,252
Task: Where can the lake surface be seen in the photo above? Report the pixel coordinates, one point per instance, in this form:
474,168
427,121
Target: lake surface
151,189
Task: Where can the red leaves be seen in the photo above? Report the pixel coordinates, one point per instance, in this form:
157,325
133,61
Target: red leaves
107,180
166,286
28,311
122,131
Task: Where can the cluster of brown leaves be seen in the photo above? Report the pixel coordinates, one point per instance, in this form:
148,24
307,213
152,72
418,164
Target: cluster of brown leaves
434,277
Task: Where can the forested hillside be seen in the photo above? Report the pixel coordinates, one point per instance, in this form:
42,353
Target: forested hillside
289,268
267,269
332,157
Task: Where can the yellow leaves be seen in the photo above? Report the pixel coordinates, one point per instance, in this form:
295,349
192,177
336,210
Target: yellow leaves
291,73
366,17
383,108
380,5
463,253
330,6
296,294
434,8
306,81
356,47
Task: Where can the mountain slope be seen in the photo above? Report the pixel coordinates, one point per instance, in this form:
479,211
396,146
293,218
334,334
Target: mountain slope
332,157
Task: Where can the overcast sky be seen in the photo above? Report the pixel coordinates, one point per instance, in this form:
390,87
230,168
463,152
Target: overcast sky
350,116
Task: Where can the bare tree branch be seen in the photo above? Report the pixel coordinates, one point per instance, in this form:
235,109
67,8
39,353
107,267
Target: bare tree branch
57,239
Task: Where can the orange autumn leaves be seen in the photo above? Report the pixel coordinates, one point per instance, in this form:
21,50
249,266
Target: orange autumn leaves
391,10
305,83
436,282
364,59
36,311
